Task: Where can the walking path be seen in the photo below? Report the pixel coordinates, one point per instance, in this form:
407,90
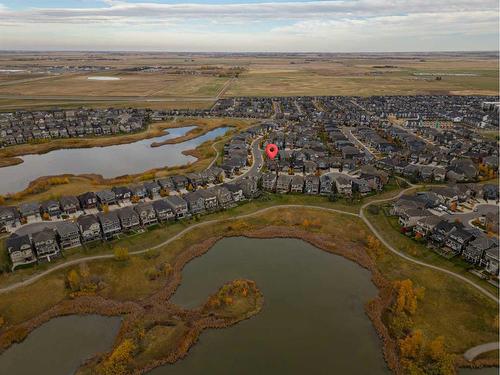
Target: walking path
472,353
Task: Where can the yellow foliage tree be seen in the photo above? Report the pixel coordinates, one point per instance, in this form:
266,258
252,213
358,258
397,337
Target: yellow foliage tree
411,346
73,280
117,362
121,253
406,299
105,208
436,348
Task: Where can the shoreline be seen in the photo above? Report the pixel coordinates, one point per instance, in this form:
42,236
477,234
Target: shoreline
354,251
10,155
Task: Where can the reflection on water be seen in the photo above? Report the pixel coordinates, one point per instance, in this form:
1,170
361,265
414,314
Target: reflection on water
110,161
313,319
59,346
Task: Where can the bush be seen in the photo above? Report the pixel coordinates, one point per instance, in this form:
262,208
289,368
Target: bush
121,253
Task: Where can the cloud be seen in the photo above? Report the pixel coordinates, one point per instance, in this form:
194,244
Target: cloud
133,12
342,25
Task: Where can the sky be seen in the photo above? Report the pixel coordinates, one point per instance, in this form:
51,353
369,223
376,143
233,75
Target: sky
250,25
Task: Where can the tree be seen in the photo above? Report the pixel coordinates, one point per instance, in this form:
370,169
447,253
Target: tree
117,362
411,346
406,298
105,208
73,280
121,253
46,216
436,349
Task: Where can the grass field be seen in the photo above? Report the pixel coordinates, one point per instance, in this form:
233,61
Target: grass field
263,75
129,84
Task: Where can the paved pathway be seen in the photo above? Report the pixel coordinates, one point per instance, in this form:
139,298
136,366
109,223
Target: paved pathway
480,349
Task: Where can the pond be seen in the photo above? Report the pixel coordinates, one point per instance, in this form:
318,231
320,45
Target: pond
109,161
313,319
59,346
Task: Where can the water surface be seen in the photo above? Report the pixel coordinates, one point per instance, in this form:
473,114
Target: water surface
109,161
312,322
59,346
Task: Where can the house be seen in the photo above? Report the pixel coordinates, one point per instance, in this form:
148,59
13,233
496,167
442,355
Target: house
477,248
362,186
408,218
426,225
491,260
195,202
269,181
458,240
166,184
20,250
442,230
138,191
122,193
51,208
283,183
147,213
9,216
325,185
89,227
152,189
129,219
110,224
224,197
68,234
88,200
180,182
250,187
106,197
343,185
297,184
29,211
236,192
209,199
163,210
69,204
45,244
178,205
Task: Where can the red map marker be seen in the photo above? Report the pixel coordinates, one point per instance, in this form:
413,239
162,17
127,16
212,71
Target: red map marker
271,151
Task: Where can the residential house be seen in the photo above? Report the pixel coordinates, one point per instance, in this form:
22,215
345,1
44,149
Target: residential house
178,205
51,208
147,213
9,216
343,185
195,202
458,240
297,184
326,185
89,228
138,191
283,183
110,224
106,198
153,189
20,250
69,204
88,200
122,193
409,217
129,219
68,234
45,244
491,260
163,210
30,211
210,199
476,249
426,225
224,197
236,192
269,181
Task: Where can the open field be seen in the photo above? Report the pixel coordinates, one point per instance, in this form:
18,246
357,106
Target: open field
437,313
262,75
127,84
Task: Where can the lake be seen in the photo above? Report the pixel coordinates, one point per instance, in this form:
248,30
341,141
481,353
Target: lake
313,319
109,161
59,346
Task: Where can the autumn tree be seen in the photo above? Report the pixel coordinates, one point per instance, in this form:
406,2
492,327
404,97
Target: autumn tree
117,362
374,246
73,280
411,346
121,253
105,208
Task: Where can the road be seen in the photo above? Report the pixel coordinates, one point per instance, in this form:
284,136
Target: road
472,353
348,133
482,209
